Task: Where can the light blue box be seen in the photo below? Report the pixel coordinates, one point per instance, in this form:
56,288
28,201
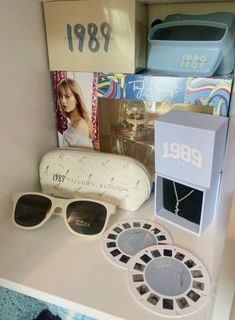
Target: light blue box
203,45
189,150
190,146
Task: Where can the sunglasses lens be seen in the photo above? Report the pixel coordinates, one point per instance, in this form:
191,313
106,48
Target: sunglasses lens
86,217
31,209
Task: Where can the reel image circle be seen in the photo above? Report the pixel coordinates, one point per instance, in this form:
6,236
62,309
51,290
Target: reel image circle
128,236
168,280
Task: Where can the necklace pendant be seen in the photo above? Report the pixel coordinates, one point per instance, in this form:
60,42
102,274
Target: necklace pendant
177,208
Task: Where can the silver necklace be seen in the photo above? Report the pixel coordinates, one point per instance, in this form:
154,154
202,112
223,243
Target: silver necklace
181,199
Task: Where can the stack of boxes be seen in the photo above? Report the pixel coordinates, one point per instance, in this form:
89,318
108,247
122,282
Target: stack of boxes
107,40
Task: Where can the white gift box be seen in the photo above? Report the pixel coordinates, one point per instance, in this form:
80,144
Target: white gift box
189,153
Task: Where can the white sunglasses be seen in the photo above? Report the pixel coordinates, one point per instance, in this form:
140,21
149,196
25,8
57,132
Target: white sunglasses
83,217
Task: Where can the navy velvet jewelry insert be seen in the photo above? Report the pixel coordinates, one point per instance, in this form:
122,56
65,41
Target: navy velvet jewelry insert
182,200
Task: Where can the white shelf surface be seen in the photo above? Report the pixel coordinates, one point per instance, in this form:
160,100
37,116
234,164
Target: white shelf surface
56,266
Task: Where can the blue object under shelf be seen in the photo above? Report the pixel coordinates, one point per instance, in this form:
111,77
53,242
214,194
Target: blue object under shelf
17,306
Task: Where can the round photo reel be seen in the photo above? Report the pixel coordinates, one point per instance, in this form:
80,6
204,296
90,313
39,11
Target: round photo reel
129,236
168,280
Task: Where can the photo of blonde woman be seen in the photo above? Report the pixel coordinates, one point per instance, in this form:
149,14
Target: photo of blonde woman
72,107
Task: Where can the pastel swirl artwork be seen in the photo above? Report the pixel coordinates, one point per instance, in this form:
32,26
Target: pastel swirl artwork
215,92
111,86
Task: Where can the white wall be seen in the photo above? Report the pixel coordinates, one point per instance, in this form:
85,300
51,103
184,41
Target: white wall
27,128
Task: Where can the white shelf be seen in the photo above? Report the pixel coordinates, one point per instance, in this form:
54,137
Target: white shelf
50,263
54,265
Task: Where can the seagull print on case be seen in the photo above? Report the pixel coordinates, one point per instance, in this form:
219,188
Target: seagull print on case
110,177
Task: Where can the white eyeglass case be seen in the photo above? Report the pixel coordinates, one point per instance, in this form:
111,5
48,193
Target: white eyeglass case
74,172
